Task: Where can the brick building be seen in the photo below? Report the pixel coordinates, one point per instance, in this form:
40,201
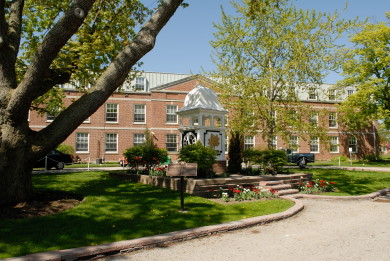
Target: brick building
151,101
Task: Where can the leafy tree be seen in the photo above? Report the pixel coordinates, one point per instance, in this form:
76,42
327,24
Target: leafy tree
367,67
236,146
264,56
45,43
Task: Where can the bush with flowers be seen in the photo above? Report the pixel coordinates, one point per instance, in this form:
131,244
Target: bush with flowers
242,193
147,158
316,187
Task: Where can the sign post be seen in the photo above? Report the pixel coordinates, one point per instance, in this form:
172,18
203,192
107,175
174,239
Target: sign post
182,170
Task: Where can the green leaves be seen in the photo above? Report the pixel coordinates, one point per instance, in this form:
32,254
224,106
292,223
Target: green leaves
263,52
367,67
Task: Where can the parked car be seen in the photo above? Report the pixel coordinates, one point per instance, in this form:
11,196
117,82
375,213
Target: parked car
55,159
301,159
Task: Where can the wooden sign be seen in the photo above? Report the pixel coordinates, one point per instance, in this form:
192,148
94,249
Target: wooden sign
182,169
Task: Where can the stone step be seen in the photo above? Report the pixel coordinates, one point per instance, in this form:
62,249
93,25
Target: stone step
287,192
278,187
271,182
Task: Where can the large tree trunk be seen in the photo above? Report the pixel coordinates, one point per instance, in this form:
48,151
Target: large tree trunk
15,165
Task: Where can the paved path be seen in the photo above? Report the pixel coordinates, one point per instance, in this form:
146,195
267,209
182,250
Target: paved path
324,230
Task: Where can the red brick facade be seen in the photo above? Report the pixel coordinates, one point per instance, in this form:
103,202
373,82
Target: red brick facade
121,133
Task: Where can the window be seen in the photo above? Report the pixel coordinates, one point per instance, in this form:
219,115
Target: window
249,142
171,142
350,92
140,84
50,117
171,114
332,95
138,139
332,120
82,140
334,144
274,142
294,143
312,94
111,144
291,92
314,144
139,113
352,144
314,118
111,112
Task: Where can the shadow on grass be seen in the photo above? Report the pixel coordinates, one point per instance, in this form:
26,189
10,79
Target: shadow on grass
354,182
112,210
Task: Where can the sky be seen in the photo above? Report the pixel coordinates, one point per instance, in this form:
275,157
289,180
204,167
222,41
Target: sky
183,45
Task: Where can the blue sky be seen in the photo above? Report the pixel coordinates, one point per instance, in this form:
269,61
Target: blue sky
183,46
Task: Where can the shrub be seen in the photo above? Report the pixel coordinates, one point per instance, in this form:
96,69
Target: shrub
342,158
147,155
271,161
371,158
68,149
203,156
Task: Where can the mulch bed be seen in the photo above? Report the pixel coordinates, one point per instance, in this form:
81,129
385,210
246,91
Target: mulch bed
42,203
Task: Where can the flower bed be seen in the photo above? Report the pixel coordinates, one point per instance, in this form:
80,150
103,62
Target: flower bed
316,187
240,193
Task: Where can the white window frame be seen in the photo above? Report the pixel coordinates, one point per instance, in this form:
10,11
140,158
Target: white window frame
82,140
110,139
138,139
313,94
333,119
314,118
139,111
352,143
294,142
334,144
274,142
112,108
249,142
332,95
49,117
314,143
350,92
170,112
171,139
140,84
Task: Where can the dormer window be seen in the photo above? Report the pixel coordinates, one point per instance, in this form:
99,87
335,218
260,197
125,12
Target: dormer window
140,84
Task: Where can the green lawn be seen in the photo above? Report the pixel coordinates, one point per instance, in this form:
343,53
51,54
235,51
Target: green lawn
352,182
116,210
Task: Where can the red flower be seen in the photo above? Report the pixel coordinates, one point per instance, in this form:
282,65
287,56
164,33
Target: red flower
309,186
332,183
211,190
236,191
230,188
256,190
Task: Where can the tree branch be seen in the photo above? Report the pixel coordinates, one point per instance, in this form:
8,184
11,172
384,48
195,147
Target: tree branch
15,27
67,26
109,81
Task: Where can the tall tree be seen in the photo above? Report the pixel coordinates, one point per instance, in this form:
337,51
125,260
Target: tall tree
367,68
266,56
87,41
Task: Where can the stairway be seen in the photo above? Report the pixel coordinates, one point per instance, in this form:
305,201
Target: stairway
283,188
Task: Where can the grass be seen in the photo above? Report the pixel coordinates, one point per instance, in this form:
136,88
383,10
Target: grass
116,210
383,162
352,182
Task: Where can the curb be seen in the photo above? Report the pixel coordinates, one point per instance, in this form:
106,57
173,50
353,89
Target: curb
361,197
126,246
159,240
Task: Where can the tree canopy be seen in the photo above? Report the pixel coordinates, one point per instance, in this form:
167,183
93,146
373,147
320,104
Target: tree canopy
264,56
367,68
93,43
